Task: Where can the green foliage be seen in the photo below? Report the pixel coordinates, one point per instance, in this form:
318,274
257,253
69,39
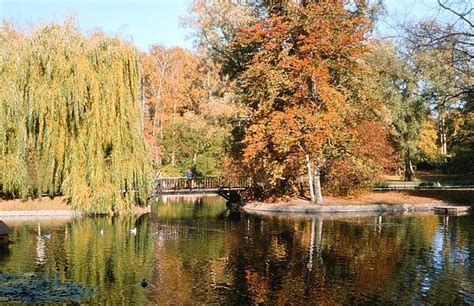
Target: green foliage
70,119
463,144
442,59
395,83
191,143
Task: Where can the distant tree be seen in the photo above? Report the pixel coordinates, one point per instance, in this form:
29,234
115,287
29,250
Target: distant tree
169,77
463,141
428,144
442,53
198,146
394,82
188,111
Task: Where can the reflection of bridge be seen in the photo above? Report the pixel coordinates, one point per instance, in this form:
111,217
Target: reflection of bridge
227,188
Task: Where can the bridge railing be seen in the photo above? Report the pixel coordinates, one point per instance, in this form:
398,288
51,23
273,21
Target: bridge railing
207,182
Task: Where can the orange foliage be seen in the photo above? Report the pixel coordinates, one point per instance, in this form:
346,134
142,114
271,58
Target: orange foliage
170,87
370,155
296,66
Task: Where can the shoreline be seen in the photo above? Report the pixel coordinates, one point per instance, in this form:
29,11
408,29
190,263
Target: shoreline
339,215
318,209
38,213
376,202
46,207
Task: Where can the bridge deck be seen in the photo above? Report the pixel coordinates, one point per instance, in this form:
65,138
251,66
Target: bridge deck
183,185
199,190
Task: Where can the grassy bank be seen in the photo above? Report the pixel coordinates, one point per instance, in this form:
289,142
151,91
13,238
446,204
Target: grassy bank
39,204
47,204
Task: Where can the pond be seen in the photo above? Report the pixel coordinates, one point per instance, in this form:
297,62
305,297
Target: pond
192,250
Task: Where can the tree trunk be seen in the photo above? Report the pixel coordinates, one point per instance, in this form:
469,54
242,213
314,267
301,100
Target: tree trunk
194,159
412,170
310,179
443,137
173,154
153,130
317,185
409,172
160,143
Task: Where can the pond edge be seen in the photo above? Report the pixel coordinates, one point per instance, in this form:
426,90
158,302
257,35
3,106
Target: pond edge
314,208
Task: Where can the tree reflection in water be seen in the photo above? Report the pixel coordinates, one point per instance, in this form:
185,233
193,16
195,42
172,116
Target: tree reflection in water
196,251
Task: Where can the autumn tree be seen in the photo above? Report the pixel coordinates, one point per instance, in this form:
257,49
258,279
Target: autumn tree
293,74
169,76
295,68
393,80
441,50
187,111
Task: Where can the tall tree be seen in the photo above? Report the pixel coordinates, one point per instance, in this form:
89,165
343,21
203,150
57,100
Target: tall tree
394,81
215,24
169,78
70,119
442,51
294,71
442,70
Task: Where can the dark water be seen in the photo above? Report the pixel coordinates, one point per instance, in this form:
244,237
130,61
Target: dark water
194,251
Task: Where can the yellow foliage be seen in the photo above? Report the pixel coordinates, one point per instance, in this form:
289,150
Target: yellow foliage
70,119
428,146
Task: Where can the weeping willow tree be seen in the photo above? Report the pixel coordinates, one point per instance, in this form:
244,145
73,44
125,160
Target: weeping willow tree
70,119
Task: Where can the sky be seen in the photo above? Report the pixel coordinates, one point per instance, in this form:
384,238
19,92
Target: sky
149,22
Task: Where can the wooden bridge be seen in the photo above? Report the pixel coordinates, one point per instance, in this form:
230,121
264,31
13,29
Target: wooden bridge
229,189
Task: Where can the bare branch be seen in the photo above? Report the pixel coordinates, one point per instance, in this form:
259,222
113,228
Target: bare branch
461,16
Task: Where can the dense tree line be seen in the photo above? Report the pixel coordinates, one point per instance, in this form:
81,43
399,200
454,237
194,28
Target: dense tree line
299,96
328,103
187,111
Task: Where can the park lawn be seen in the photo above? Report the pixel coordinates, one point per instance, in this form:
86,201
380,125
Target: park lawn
56,204
454,196
431,176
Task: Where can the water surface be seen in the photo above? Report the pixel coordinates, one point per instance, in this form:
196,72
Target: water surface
192,250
